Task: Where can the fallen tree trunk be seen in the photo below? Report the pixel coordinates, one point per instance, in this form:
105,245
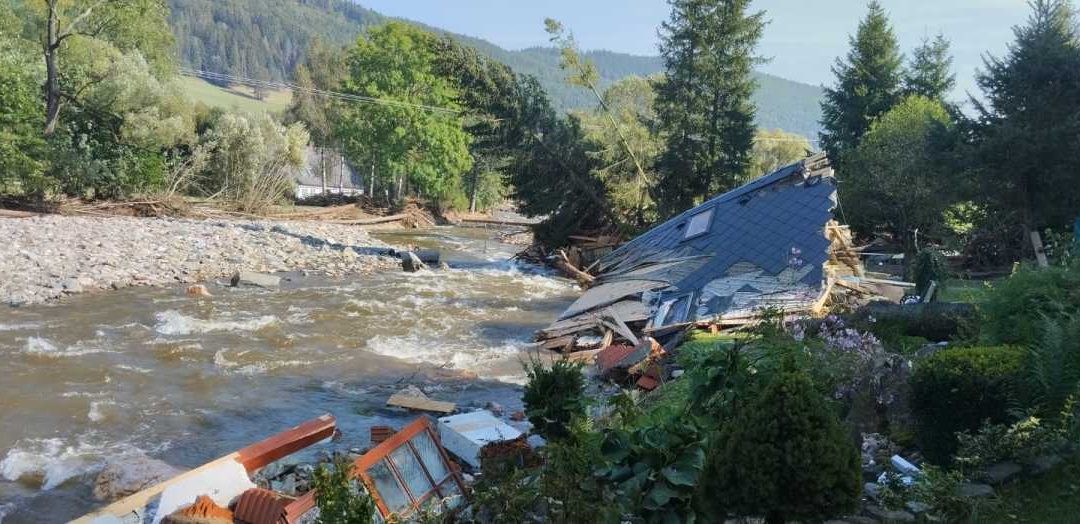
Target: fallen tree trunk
367,221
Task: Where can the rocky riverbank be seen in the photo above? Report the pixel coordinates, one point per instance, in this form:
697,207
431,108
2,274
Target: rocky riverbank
47,257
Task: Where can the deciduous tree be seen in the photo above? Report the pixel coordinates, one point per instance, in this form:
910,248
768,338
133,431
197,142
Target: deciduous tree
413,127
894,182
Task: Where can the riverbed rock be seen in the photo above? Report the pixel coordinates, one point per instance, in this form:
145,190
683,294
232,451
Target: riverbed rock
57,256
250,278
129,474
411,263
198,290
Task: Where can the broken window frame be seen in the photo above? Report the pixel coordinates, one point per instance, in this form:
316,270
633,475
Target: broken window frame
665,307
403,440
708,214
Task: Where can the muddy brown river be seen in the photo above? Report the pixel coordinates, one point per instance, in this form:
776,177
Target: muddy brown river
186,381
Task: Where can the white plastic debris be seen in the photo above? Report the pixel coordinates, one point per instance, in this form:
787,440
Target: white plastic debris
905,467
466,434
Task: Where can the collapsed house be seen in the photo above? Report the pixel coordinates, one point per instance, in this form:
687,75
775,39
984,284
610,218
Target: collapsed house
770,244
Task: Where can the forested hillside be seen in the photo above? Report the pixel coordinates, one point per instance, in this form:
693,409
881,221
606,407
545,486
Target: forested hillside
265,39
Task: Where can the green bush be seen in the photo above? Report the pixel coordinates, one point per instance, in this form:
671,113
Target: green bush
930,265
341,498
936,322
1052,366
1014,309
554,397
785,457
958,390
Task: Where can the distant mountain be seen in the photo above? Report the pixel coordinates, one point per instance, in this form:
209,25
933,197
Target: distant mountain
265,39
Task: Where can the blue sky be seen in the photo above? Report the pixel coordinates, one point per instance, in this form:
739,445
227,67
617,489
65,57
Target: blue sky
803,38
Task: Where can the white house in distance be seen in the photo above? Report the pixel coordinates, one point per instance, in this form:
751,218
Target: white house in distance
326,171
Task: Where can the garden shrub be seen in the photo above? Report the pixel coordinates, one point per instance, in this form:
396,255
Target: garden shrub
958,390
654,470
554,397
930,265
785,457
341,499
1014,309
936,322
1052,365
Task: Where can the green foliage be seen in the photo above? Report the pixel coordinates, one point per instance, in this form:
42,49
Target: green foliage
507,497
774,149
22,150
629,104
894,180
930,72
1014,309
930,265
867,84
396,63
1052,366
341,499
959,390
252,160
703,103
554,397
786,457
654,470
1025,148
569,481
1024,439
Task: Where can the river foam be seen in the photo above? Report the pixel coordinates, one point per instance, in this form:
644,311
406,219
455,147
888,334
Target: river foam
51,462
172,322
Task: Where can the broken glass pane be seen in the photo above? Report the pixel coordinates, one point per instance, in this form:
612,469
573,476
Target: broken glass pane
388,487
411,472
429,454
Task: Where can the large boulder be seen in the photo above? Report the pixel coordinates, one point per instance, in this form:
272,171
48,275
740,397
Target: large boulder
129,474
410,262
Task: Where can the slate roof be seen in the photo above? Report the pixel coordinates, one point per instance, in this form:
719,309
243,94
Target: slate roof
772,224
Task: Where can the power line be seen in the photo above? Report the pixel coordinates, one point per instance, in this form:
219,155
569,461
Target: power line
210,75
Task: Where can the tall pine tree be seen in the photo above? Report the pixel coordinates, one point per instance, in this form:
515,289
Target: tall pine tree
930,72
867,84
703,104
1028,135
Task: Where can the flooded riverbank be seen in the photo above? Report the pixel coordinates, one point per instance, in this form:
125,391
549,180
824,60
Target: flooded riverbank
186,380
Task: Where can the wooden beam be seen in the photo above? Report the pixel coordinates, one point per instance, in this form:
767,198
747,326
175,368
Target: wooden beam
1040,251
367,221
402,400
257,455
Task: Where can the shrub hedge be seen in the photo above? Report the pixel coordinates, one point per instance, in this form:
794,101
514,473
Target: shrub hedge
1013,313
958,390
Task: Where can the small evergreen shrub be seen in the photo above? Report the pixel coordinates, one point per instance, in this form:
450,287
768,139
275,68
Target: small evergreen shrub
554,397
785,457
958,390
1014,310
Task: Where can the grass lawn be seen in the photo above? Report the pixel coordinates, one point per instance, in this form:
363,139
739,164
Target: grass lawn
969,291
1052,498
240,98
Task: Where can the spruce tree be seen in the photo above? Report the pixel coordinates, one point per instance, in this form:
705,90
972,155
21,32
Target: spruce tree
867,84
1028,131
930,72
703,103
